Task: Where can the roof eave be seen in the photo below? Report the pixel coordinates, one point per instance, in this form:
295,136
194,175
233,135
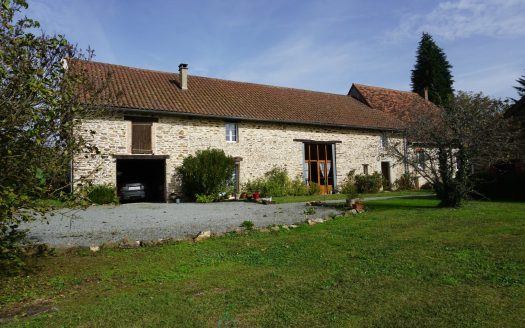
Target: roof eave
236,118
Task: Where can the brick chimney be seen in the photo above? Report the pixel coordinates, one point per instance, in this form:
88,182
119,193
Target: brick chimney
183,71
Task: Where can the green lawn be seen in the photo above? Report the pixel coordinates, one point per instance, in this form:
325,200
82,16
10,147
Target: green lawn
404,263
300,199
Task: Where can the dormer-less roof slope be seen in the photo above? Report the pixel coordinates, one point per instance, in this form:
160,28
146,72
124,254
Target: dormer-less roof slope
208,97
404,105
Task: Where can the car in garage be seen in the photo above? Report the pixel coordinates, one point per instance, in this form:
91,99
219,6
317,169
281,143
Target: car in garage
132,191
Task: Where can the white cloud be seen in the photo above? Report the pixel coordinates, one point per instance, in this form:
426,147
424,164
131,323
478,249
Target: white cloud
465,18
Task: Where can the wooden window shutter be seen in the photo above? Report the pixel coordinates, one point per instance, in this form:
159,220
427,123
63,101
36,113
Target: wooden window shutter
141,138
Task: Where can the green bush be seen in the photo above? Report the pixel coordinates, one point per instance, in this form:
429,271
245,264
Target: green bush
247,224
277,183
297,188
201,198
314,189
427,186
348,186
102,194
406,181
368,183
206,173
309,210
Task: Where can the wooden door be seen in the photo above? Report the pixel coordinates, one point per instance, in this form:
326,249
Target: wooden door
141,138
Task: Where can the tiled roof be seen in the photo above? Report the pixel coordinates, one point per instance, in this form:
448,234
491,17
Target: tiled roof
208,97
402,104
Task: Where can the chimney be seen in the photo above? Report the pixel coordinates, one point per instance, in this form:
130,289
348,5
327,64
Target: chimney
426,93
183,71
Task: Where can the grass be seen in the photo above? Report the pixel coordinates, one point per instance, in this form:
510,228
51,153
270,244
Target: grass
403,263
312,198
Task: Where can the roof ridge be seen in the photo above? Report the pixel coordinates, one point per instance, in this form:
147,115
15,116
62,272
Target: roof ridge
383,88
210,78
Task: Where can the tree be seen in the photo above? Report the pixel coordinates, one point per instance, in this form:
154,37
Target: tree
520,87
448,145
431,72
207,173
39,106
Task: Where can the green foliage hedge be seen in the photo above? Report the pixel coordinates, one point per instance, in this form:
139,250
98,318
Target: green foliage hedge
277,183
102,194
406,181
206,173
369,183
347,186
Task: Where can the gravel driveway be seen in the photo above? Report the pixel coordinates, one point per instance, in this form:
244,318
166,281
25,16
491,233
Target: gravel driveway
148,221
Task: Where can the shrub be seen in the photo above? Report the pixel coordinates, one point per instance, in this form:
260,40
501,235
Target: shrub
276,183
247,224
406,181
297,187
314,189
368,183
348,186
427,186
102,194
206,173
201,198
309,210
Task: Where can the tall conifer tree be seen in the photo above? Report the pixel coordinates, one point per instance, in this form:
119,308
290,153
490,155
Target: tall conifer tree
432,72
521,86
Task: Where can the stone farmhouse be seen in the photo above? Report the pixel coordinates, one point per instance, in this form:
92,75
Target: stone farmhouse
160,118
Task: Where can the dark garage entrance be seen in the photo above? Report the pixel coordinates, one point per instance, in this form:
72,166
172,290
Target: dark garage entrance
151,171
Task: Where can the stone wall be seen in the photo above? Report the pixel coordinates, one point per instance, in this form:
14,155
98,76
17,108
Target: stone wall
261,146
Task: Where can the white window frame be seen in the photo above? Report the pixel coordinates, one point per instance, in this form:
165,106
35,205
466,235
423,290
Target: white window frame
232,132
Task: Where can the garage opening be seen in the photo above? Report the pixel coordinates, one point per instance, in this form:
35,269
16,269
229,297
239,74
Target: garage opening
141,179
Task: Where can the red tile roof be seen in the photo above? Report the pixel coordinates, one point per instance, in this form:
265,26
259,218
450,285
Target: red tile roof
402,104
208,97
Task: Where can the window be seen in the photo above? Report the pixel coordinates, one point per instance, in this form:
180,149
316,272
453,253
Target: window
365,169
141,136
384,140
231,132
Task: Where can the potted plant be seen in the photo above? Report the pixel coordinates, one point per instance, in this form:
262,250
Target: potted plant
358,205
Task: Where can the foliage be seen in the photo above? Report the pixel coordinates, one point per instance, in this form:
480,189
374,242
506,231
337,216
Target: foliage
432,72
38,100
202,198
102,194
297,187
313,189
521,86
406,181
370,183
442,258
277,183
309,210
206,173
470,132
347,186
500,185
247,224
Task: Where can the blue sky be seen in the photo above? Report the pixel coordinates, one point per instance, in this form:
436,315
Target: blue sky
316,45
